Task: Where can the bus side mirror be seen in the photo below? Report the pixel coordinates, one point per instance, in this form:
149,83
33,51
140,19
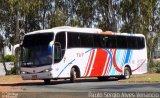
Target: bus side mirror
50,47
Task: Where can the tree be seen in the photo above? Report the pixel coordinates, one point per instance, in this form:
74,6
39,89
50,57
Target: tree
125,15
137,17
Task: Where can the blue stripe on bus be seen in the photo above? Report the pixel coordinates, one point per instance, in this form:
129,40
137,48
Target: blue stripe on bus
110,55
118,55
127,56
65,67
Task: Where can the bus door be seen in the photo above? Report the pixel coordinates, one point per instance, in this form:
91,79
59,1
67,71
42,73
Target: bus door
59,46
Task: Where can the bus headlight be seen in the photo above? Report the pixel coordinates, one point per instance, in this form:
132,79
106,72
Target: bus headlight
47,70
23,72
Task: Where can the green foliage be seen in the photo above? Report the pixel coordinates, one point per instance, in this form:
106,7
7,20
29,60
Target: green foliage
8,58
154,67
41,14
12,71
158,67
126,15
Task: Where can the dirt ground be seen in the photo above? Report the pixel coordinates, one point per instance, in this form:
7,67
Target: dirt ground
11,83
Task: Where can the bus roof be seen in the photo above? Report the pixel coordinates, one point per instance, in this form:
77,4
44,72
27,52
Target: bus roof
128,34
67,29
81,30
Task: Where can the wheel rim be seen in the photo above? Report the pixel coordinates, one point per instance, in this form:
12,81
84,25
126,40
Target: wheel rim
74,75
127,74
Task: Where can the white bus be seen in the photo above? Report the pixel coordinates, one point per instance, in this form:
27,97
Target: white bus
70,52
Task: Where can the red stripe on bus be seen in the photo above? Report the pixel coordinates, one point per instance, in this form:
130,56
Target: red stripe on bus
139,66
99,63
90,62
106,65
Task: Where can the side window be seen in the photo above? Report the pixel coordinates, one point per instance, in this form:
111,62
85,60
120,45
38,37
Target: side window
110,41
98,41
102,40
60,48
57,52
61,38
105,41
73,40
132,42
86,40
141,43
122,42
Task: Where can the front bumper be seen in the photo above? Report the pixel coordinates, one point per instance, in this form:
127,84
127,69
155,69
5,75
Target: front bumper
37,76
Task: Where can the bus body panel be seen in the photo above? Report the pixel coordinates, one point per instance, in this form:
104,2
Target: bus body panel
102,62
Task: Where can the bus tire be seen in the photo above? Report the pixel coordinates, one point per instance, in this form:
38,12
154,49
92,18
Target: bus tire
127,73
103,78
47,81
73,75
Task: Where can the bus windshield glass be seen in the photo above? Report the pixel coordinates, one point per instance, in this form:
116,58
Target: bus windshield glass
36,50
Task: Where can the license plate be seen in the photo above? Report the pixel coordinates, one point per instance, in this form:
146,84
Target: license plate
34,77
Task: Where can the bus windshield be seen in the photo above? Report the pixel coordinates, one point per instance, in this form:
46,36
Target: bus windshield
36,50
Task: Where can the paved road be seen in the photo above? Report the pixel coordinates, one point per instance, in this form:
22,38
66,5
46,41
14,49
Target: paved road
89,88
86,85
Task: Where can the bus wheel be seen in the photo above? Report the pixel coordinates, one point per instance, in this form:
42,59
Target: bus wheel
47,81
73,75
103,78
127,73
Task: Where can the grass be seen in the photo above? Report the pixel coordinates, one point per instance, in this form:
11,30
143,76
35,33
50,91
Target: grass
144,78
